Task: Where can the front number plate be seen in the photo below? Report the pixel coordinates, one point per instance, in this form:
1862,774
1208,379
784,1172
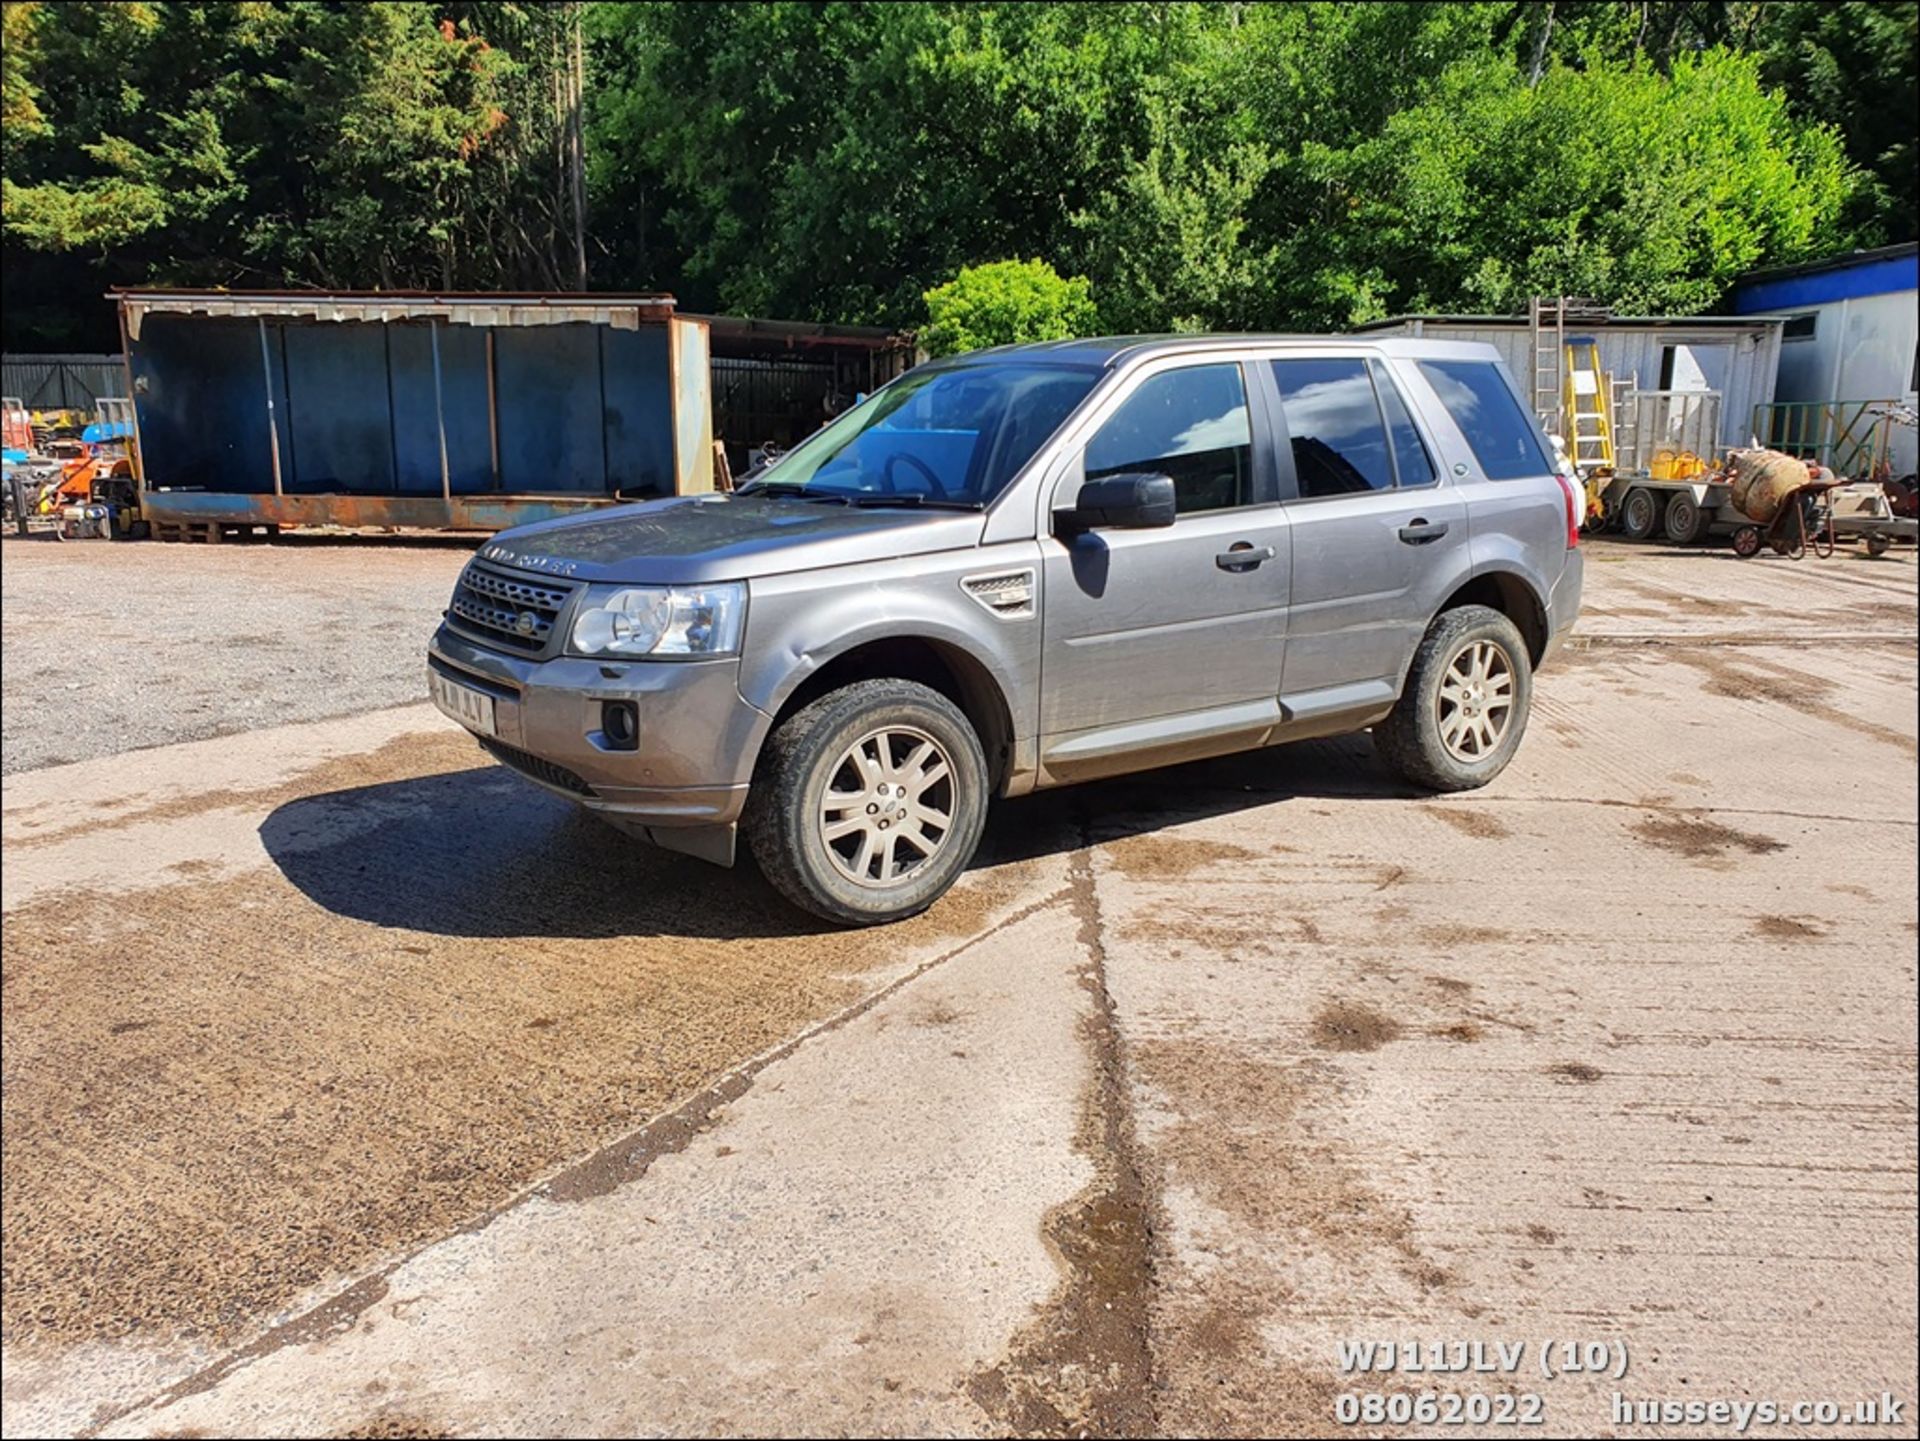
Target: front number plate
472,708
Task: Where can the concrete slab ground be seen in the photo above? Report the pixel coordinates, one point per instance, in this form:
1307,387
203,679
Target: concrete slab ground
353,1087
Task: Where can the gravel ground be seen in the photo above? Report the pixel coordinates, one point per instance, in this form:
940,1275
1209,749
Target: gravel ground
111,648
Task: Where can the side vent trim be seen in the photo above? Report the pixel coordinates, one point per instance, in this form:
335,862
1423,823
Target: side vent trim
1008,594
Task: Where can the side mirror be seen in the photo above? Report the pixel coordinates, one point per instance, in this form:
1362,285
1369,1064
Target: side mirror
1130,501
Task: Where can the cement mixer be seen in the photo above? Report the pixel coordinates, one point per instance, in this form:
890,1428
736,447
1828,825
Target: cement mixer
1785,501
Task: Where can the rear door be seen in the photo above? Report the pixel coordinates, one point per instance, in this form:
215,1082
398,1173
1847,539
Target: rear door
1162,643
1516,507
1378,534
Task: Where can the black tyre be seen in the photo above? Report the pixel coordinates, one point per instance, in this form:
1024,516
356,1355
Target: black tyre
1460,718
1685,521
868,803
1747,541
1640,514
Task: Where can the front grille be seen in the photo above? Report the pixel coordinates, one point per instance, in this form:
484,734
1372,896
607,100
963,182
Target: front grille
504,610
531,765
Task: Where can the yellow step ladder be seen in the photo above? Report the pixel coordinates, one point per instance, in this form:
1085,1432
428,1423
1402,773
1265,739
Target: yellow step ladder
1589,407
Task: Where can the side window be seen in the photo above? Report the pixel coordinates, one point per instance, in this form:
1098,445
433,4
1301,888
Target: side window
1482,404
1410,458
1189,424
1339,441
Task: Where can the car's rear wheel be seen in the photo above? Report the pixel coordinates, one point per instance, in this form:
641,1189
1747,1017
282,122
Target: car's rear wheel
868,802
1465,706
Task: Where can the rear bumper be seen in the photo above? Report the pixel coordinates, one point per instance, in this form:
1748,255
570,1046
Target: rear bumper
698,736
1563,606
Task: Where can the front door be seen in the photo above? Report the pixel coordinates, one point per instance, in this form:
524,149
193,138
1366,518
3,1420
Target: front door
1167,643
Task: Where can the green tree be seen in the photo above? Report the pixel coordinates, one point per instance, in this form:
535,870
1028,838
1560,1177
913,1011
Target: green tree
1651,192
1006,303
392,144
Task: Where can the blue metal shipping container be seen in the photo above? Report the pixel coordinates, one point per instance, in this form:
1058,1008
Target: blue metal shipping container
385,408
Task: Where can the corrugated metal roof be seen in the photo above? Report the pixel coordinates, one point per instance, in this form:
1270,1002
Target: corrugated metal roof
1832,262
1629,322
621,312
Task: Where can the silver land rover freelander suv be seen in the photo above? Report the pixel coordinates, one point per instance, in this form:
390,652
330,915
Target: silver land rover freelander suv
1022,568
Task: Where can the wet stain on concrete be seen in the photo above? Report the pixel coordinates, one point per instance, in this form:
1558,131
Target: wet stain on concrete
1083,1367
1692,835
1350,1026
1481,825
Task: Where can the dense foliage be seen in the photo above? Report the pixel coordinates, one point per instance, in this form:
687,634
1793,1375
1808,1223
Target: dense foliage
1229,165
1006,303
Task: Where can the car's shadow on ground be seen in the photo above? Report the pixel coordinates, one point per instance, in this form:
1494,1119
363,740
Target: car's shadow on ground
483,853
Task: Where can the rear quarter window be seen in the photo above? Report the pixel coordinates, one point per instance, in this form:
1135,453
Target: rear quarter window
1502,435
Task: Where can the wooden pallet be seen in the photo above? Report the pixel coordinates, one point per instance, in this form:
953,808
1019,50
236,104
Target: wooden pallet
211,532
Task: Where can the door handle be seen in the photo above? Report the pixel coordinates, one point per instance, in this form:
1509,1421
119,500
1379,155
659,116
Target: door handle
1419,532
1243,556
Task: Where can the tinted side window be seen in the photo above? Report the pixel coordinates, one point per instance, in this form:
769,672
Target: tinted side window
1410,456
1339,440
1190,424
1483,406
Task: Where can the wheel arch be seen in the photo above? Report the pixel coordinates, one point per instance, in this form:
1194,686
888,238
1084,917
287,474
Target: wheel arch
935,662
1515,597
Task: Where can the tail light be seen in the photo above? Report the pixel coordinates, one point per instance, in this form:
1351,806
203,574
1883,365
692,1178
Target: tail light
1576,508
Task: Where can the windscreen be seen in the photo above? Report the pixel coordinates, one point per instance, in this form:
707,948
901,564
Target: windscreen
952,435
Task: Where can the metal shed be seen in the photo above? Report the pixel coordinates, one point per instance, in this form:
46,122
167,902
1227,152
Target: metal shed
1736,356
63,382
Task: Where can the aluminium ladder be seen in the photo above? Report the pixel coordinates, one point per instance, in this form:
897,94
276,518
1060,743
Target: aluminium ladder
1547,332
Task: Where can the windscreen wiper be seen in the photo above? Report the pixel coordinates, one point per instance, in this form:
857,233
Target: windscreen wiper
916,502
789,490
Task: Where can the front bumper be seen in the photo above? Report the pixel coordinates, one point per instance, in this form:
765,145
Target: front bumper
685,784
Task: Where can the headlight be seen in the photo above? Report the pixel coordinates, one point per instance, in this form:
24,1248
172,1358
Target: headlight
637,620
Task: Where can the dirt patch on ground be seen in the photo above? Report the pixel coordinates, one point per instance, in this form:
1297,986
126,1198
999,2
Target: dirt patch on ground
1578,1072
396,1427
1261,1142
1789,928
221,1094
1186,934
1461,935
1481,825
1349,1026
1694,836
1168,857
1757,679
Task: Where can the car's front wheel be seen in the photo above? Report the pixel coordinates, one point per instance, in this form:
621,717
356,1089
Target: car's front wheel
868,802
1460,718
